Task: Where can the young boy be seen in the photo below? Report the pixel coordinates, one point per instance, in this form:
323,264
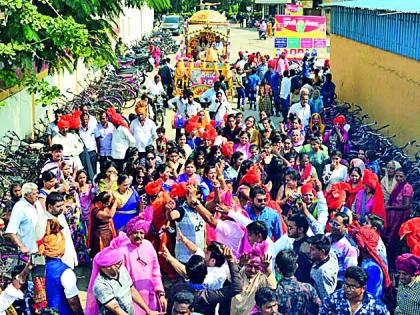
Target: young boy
161,142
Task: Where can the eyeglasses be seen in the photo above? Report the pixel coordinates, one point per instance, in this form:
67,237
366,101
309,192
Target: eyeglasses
351,287
150,158
261,199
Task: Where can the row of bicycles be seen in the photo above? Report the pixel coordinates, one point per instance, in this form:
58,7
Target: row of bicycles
139,56
119,86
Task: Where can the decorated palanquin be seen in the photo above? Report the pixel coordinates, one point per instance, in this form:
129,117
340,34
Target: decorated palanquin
204,54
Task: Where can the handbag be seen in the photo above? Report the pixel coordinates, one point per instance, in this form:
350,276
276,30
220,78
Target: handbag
213,114
179,121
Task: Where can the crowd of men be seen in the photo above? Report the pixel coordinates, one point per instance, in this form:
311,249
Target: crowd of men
226,215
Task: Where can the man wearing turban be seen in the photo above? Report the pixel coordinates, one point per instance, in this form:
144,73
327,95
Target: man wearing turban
60,280
111,289
72,145
316,204
408,302
142,263
367,239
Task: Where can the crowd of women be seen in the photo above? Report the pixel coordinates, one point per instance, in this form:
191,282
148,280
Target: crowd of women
245,216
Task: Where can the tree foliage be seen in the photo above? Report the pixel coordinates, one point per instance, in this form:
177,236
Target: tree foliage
58,33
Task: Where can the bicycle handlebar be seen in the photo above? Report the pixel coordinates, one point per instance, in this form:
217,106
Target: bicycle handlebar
368,125
381,128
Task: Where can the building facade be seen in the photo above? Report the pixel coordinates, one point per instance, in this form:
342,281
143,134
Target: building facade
375,56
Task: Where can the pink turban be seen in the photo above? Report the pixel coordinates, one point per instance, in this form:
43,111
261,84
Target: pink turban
105,258
137,224
409,263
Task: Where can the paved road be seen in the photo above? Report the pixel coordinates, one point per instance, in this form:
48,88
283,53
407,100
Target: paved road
241,40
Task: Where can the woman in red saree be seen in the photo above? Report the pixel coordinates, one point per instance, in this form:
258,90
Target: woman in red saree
355,184
306,170
101,229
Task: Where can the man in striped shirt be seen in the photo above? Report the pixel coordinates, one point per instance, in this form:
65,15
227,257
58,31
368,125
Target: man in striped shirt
346,253
54,162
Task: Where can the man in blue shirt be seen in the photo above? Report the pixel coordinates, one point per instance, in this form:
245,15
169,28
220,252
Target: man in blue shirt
259,211
253,82
328,91
273,79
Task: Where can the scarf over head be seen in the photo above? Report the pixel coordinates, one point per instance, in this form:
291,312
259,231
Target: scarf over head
141,108
409,263
179,190
153,188
356,162
368,238
386,182
227,149
340,119
410,229
63,124
371,180
252,177
336,196
116,118
53,243
191,125
107,257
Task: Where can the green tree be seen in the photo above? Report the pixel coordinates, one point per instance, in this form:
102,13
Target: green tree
58,33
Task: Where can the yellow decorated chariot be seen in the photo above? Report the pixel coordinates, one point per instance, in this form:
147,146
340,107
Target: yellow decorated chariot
204,53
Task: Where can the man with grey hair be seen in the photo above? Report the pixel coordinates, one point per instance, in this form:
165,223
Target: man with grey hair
302,109
24,218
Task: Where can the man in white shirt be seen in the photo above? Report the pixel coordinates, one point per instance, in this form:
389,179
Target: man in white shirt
72,145
222,107
122,139
88,134
55,206
178,103
302,109
210,96
285,93
52,128
24,218
92,120
13,290
144,132
192,107
156,87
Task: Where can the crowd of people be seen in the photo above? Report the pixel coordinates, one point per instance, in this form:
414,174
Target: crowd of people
226,215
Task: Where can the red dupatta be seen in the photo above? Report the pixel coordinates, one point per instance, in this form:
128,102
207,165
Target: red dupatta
351,193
